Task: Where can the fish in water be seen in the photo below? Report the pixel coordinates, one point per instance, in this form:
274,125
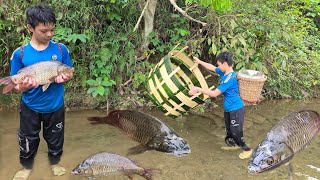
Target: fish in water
149,131
43,73
289,136
107,164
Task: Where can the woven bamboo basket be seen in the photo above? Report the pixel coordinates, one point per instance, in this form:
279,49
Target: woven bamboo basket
170,80
250,88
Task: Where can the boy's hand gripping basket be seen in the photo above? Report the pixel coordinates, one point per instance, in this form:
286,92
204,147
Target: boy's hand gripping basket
170,80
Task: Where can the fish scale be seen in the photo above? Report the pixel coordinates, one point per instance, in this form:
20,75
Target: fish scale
139,130
107,164
111,164
149,131
289,136
297,128
42,72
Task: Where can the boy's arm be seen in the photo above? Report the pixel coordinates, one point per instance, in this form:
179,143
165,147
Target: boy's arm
66,59
208,92
205,65
15,65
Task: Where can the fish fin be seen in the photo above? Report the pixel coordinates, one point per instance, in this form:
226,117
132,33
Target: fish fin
112,118
137,150
96,120
45,87
53,79
130,176
8,88
148,173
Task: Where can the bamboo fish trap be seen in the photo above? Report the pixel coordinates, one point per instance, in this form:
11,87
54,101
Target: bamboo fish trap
170,80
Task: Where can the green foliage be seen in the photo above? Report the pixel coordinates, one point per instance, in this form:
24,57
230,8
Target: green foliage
139,79
279,38
286,42
100,86
12,30
65,34
220,6
165,39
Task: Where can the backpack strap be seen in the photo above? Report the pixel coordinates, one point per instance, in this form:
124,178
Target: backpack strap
60,48
21,52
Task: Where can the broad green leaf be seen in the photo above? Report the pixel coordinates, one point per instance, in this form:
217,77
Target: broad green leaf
209,41
243,42
183,32
100,90
284,64
107,83
214,48
233,24
239,65
233,42
91,82
95,93
224,39
99,80
90,90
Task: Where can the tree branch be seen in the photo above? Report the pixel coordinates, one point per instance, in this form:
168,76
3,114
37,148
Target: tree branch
184,13
138,22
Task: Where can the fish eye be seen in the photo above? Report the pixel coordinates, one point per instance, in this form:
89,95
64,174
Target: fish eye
270,161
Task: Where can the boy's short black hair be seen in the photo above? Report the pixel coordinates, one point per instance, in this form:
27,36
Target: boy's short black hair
40,14
225,57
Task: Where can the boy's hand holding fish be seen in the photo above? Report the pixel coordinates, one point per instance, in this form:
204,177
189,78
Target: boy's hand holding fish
27,84
41,73
63,77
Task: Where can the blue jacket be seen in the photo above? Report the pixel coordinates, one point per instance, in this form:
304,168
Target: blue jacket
53,98
230,90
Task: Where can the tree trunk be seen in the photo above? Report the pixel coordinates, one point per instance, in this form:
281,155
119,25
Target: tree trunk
148,22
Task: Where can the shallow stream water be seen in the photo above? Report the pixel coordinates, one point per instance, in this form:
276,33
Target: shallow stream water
204,132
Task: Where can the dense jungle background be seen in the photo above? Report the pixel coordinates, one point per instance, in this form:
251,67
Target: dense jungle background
112,58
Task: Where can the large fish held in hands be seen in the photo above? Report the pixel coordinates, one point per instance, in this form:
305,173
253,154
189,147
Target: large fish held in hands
107,164
149,131
43,73
289,136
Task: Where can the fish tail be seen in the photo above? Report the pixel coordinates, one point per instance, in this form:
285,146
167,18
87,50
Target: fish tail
147,173
9,84
112,118
8,88
6,80
97,120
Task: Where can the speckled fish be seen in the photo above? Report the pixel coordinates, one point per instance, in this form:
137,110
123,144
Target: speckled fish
289,136
107,164
149,131
43,73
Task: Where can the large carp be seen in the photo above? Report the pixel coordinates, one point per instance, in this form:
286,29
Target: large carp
43,73
107,164
289,136
149,131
